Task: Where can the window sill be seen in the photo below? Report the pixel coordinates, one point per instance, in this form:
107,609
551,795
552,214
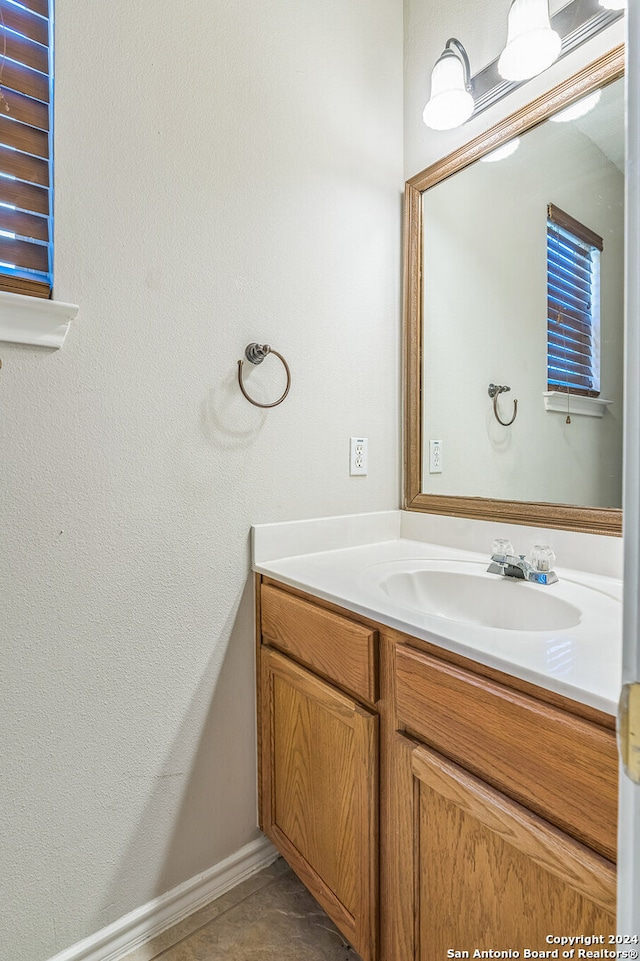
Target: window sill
33,320
578,404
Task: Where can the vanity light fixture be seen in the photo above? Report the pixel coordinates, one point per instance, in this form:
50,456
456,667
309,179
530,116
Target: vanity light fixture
532,44
451,102
534,41
578,109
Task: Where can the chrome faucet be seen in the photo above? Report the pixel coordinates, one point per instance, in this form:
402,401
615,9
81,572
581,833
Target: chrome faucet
512,565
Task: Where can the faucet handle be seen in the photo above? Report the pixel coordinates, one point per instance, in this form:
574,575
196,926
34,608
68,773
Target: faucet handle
542,557
502,546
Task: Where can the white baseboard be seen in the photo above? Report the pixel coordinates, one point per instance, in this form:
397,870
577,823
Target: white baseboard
151,919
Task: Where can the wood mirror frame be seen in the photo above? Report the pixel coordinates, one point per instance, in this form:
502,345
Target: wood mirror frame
593,520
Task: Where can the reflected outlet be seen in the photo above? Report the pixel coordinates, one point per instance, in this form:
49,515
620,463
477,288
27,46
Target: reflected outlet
435,456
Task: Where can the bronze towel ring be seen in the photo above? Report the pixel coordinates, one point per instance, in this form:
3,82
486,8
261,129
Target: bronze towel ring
255,354
494,391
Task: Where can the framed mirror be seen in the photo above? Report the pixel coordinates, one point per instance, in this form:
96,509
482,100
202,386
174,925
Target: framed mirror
514,315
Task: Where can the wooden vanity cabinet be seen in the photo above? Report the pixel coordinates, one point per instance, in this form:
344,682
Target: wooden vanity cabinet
510,807
429,803
560,766
489,874
318,775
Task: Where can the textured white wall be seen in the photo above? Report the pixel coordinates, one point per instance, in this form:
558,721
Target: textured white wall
225,172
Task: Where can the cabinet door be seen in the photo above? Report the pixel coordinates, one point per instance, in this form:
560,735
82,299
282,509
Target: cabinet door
319,792
489,875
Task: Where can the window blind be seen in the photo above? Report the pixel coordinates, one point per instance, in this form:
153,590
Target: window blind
25,147
573,257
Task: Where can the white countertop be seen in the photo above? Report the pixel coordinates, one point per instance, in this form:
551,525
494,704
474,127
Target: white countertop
582,662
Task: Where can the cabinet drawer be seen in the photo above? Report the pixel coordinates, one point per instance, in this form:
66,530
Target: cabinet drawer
337,648
560,766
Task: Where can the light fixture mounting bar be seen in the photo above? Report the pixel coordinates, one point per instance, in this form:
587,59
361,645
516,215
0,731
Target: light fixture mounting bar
577,22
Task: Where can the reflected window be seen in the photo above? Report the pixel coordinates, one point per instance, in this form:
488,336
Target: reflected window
573,305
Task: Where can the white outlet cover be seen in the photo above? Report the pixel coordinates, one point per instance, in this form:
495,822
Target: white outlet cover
358,456
435,456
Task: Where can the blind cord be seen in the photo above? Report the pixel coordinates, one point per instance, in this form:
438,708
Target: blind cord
564,337
3,99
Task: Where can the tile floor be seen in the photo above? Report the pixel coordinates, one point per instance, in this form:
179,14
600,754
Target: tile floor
269,917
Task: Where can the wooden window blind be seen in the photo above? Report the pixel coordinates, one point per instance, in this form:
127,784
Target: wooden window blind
573,309
25,147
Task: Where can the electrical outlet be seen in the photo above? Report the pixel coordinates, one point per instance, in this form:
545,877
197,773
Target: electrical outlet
358,455
435,456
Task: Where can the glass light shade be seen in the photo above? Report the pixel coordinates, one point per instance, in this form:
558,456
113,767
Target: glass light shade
501,153
577,109
450,103
532,45
614,4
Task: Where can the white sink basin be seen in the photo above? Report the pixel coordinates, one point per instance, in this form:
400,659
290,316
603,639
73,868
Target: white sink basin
445,597
465,592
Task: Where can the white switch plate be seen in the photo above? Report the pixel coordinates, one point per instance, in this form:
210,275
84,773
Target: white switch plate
358,455
435,456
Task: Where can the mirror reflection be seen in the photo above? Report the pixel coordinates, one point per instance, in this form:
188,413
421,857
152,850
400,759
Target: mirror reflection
523,292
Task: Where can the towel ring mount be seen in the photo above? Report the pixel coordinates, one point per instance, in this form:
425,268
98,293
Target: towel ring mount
255,354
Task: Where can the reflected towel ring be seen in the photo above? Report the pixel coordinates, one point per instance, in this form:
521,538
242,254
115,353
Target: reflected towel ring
255,354
493,391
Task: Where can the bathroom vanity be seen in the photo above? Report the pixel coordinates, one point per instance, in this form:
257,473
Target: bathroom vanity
432,799
437,754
